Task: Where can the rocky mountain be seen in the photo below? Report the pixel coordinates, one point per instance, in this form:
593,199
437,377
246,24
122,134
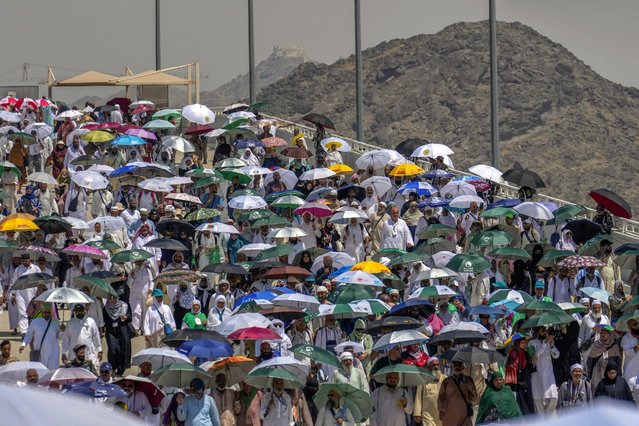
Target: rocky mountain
281,62
557,116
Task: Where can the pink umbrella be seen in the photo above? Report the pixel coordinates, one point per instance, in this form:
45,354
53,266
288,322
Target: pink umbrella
274,141
186,198
44,102
83,250
66,376
109,125
92,126
122,128
142,108
480,185
37,251
144,134
254,333
315,209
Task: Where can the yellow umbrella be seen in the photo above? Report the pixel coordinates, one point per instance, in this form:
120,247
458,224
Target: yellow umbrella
406,169
370,267
18,224
97,136
296,138
340,168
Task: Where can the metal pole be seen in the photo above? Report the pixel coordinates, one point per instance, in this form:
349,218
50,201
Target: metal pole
358,73
494,89
158,50
251,46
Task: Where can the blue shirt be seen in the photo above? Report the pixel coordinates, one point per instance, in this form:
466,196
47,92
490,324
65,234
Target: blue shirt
214,202
198,412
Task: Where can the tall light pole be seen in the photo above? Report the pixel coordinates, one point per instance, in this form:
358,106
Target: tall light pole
494,89
251,46
358,74
158,50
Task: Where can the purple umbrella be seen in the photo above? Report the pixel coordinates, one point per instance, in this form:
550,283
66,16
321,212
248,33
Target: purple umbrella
141,133
84,250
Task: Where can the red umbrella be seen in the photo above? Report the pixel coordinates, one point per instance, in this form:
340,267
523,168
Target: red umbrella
142,108
44,102
123,128
254,333
286,271
123,102
199,129
91,126
8,101
109,125
315,209
142,384
480,185
26,102
581,262
612,202
274,141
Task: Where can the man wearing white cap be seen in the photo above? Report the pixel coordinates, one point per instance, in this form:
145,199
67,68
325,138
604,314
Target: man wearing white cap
22,298
356,240
425,409
586,334
377,220
395,232
353,376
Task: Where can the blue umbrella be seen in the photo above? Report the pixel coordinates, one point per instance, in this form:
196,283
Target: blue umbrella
507,202
426,308
95,390
206,348
509,304
340,271
129,168
437,202
318,193
485,310
465,178
129,140
248,143
262,295
421,188
434,174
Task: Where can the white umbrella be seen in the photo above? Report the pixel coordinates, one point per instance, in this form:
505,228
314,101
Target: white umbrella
399,338
78,224
234,116
315,174
534,210
432,291
16,371
464,325
287,176
357,347
109,223
432,150
288,363
247,202
10,117
218,228
487,172
436,273
343,217
199,114
90,180
176,180
4,130
464,201
254,171
342,311
63,295
297,301
244,320
342,145
159,357
70,113
381,184
442,258
457,188
41,177
132,105
340,259
73,134
253,249
287,232
177,143
379,159
42,129
101,168
155,185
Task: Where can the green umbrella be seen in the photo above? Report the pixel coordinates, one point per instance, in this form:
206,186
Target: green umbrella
356,400
388,252
166,114
405,258
241,192
540,306
53,224
593,245
159,124
553,257
275,195
436,230
499,295
544,319
201,215
275,252
510,253
202,173
230,163
391,280
241,177
209,180
627,260
98,287
255,215
104,245
179,375
376,306
263,378
498,212
492,238
566,212
257,106
131,256
468,263
288,202
271,222
7,245
409,375
317,354
544,246
622,322
235,124
351,292
434,245
572,308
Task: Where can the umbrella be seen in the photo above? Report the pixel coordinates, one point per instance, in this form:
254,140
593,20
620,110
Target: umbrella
247,143
593,246
274,141
419,187
534,210
435,274
572,308
581,262
381,184
468,263
285,271
359,277
247,202
485,310
287,232
253,249
464,201
505,294
472,355
179,226
539,306
351,293
66,376
230,174
166,114
158,124
460,333
254,333
199,114
523,177
407,146
431,150
90,180
129,140
16,371
510,253
275,252
566,212
155,185
344,216
159,357
374,306
342,311
297,301
179,374
97,136
245,320
409,375
255,171
612,202
370,267
36,252
339,144
205,348
109,223
17,224
32,280
545,319
288,202
487,172
399,338
131,256
178,276
97,286
230,163
41,177
167,244
432,291
187,198
95,390
492,238
217,227
340,259
404,259
178,337
553,256
628,259
406,170
146,386
596,293
64,295
496,212
234,368
622,322
83,250
393,323
319,120
262,377
340,168
403,309
314,209
316,354
316,174
358,401
287,363
107,276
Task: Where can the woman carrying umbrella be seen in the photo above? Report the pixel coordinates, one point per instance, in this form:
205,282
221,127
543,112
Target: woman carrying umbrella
497,402
118,334
518,371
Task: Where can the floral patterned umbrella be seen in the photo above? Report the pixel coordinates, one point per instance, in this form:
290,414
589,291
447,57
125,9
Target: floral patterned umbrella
83,250
581,261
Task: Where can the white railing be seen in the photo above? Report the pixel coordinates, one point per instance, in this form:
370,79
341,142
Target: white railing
624,227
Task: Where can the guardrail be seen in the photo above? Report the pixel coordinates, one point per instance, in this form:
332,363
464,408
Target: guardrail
626,228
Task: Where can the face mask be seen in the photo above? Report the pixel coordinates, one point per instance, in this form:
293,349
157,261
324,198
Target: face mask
79,316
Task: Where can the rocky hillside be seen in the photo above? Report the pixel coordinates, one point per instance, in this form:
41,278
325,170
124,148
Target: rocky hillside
278,65
557,116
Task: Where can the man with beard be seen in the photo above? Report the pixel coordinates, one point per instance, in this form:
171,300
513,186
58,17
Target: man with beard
456,398
276,408
42,335
137,402
353,376
630,347
425,407
177,263
82,330
586,331
266,352
223,397
80,360
543,384
393,356
330,335
391,402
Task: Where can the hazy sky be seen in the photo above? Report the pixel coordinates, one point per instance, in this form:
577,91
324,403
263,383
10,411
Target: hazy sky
106,35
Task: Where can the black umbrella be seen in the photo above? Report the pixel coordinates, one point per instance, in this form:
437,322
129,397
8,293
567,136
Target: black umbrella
225,268
625,247
394,323
359,193
107,276
320,120
153,171
178,337
523,177
459,337
612,202
473,355
32,280
177,226
86,160
53,224
268,264
583,230
166,243
408,146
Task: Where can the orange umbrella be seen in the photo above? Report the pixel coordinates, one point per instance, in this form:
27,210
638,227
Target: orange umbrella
235,368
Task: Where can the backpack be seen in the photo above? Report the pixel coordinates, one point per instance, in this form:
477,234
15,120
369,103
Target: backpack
27,206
